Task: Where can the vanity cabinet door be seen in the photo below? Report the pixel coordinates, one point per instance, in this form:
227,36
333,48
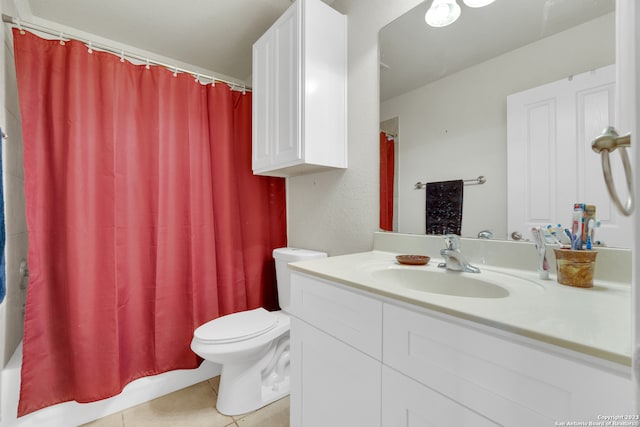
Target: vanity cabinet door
408,403
498,377
332,384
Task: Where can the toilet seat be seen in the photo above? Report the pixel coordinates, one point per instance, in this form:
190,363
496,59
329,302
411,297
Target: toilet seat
236,327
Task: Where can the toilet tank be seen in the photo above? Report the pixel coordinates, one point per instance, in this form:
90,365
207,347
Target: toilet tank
284,256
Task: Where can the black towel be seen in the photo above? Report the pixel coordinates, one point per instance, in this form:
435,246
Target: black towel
444,207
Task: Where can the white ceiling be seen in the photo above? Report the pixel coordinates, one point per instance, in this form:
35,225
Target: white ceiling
417,54
216,35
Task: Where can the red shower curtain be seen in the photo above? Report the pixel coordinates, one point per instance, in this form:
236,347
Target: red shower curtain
386,182
144,219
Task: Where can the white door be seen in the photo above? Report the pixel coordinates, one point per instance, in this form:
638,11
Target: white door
550,162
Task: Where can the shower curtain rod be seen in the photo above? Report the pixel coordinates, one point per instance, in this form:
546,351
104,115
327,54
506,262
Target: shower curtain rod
62,35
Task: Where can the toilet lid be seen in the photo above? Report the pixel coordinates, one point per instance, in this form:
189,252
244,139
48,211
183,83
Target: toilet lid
237,326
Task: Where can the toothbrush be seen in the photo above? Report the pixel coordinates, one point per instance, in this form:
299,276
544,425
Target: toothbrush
562,236
553,234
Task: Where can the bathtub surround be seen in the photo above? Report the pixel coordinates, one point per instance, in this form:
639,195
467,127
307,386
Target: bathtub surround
144,217
11,310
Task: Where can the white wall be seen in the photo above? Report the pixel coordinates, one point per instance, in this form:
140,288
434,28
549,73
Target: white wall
13,177
338,211
11,317
455,128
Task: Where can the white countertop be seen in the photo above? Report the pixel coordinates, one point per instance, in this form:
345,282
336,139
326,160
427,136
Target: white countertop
594,321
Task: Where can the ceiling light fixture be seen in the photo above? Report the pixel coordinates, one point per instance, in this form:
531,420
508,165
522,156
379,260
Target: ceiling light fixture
445,12
442,13
477,3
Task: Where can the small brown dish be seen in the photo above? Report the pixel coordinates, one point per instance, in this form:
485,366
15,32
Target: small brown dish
413,259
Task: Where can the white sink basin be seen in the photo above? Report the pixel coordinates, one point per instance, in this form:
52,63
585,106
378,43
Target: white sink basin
434,280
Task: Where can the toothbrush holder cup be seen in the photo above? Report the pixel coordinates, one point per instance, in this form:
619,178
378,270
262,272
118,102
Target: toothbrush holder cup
575,268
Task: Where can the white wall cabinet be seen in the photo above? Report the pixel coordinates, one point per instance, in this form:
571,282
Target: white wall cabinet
365,360
299,92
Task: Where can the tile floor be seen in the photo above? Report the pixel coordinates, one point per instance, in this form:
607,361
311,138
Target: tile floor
194,407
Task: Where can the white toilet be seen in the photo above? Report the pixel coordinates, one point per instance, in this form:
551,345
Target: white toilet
252,346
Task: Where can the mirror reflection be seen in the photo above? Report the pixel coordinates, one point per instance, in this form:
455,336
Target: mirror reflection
443,102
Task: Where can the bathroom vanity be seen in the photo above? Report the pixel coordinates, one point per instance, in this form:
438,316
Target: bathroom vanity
374,343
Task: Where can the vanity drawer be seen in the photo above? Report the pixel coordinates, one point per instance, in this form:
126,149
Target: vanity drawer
348,316
508,382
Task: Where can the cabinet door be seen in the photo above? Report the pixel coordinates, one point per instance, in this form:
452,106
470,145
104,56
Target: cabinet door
332,384
262,101
406,402
286,108
276,94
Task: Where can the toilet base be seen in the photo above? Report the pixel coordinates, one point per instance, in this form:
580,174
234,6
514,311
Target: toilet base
248,388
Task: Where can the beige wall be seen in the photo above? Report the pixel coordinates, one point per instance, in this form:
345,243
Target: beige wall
338,211
455,128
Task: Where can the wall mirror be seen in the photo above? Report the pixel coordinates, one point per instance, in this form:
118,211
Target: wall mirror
443,95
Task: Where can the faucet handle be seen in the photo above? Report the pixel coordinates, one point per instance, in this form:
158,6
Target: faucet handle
452,241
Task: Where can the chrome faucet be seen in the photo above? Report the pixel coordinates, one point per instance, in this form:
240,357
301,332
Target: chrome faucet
453,258
485,234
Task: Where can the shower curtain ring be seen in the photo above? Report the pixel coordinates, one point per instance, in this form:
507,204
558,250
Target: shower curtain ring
19,24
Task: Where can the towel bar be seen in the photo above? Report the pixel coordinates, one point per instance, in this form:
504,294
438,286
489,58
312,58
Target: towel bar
604,144
477,181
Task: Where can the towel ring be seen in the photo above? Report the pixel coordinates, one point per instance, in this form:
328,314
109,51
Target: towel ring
604,144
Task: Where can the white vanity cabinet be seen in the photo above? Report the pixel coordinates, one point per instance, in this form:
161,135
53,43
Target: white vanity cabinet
336,345
299,92
359,359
